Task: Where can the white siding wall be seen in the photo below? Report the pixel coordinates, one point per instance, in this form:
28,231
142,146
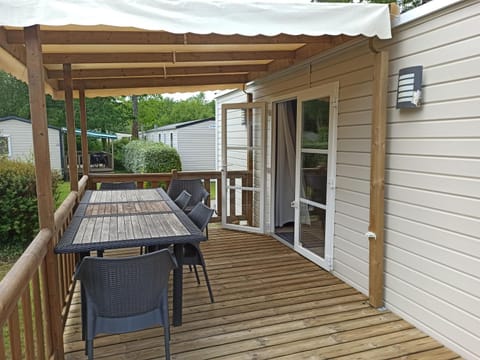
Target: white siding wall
21,141
433,180
196,146
432,238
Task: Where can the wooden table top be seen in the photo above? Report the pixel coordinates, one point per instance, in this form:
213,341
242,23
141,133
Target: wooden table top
127,218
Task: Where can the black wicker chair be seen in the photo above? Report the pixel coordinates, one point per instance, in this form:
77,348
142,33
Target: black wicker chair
126,294
193,186
192,255
183,199
118,186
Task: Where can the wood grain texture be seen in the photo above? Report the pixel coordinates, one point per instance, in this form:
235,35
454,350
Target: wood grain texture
270,303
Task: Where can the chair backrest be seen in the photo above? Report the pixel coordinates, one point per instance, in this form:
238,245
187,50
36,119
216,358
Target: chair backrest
193,186
122,287
201,215
183,199
118,186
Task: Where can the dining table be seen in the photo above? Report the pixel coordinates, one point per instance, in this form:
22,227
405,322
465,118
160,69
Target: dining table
143,218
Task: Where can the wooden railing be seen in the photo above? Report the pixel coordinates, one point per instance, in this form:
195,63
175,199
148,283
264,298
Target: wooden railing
27,317
212,181
31,325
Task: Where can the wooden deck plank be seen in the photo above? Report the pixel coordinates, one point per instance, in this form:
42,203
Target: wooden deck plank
271,303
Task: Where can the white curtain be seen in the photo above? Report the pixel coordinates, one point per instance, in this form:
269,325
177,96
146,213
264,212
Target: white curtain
285,174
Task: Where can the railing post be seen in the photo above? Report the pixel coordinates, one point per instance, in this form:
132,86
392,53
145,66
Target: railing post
43,179
71,137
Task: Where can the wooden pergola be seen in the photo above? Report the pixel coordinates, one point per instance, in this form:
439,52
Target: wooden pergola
87,61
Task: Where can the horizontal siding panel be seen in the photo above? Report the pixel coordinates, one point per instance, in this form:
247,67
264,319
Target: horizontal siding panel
351,158
352,242
358,172
448,313
354,132
354,105
432,323
434,277
437,147
354,91
460,69
354,224
445,184
353,261
461,224
465,206
437,237
356,118
463,128
348,274
355,211
435,35
351,78
448,110
354,145
434,165
360,186
354,60
352,197
442,55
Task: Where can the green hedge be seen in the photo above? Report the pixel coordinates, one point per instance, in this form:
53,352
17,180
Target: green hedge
142,156
18,204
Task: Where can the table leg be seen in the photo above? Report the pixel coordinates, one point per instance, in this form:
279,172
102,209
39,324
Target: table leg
178,285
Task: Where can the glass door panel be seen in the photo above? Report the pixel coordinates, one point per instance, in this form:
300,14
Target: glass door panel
316,116
243,165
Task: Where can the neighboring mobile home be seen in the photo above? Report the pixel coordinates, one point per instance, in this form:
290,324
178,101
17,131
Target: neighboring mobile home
194,141
17,141
317,165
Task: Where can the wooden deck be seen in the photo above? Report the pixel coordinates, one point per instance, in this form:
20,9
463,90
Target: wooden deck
271,303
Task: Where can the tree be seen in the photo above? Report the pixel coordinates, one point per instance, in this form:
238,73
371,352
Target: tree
14,99
156,110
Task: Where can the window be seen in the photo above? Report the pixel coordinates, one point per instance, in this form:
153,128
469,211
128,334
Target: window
5,147
171,139
159,137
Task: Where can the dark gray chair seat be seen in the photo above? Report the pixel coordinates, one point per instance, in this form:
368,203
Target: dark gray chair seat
193,186
126,294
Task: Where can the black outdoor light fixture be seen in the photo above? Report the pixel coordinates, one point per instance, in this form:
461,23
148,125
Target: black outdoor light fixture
409,88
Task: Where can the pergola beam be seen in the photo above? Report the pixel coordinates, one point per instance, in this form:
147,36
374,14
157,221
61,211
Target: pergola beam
158,38
90,84
159,71
164,57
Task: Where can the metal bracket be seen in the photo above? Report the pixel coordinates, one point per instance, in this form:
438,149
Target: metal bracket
371,235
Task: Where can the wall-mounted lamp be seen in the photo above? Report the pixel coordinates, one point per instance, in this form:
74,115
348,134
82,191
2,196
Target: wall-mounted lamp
409,89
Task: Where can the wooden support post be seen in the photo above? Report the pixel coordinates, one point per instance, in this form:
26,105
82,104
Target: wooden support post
377,180
247,197
83,134
71,137
36,86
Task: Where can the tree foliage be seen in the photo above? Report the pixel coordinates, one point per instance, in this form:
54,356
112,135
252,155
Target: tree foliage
106,113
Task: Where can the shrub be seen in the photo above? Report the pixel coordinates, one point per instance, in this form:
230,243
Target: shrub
119,152
18,204
150,157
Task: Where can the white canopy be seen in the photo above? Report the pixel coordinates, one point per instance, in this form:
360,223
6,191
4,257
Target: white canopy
204,17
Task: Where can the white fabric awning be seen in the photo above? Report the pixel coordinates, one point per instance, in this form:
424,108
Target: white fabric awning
204,17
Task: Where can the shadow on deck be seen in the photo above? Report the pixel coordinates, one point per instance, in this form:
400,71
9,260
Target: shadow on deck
271,303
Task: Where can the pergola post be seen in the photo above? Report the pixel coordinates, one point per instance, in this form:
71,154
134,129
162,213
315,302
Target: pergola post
377,180
83,132
36,87
71,137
